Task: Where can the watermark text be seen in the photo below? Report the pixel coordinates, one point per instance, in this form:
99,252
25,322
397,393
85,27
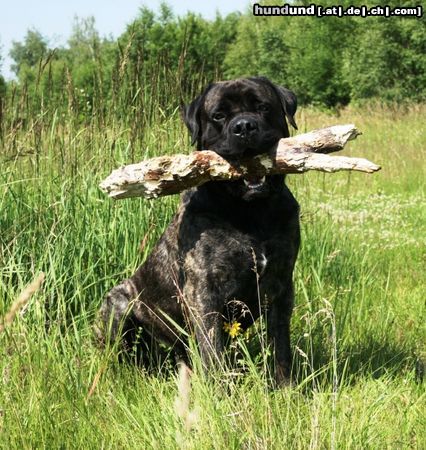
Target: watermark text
337,11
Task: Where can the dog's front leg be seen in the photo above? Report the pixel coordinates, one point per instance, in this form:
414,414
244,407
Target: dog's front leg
279,335
208,327
207,323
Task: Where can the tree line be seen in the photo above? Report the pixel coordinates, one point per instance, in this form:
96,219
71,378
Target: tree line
328,62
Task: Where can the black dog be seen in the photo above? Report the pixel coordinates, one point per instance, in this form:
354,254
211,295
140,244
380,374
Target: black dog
230,250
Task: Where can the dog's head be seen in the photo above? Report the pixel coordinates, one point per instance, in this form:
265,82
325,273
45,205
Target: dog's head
238,119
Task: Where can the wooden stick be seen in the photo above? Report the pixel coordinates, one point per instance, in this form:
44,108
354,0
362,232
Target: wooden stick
166,175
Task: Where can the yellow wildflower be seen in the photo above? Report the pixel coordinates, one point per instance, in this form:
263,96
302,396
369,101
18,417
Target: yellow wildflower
232,328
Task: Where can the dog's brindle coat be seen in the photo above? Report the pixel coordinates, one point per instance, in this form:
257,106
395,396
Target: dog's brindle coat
230,250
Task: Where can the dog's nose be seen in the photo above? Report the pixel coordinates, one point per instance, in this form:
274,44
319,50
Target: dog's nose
244,127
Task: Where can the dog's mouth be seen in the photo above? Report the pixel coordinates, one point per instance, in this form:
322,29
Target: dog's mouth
254,182
250,187
255,187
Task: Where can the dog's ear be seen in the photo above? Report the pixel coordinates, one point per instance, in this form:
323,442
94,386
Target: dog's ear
191,117
289,103
287,98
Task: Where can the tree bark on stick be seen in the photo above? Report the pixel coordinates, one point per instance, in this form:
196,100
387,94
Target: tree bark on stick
166,175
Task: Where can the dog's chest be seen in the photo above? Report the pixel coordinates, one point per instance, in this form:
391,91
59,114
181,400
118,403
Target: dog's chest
269,252
241,252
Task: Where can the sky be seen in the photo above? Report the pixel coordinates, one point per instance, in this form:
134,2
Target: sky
54,18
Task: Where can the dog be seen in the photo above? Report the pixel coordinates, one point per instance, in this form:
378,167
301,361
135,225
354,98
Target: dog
229,252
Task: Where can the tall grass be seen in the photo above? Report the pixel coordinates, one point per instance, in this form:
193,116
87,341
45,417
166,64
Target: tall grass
358,327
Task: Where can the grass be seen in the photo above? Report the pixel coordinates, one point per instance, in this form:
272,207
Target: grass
358,326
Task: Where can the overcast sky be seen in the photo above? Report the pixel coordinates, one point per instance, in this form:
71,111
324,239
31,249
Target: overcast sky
54,18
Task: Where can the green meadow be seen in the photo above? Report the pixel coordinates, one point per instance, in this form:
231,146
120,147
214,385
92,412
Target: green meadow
358,329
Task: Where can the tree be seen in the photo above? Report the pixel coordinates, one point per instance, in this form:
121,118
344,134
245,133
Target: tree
303,53
2,81
394,68
243,55
185,51
317,47
29,53
84,40
90,60
2,89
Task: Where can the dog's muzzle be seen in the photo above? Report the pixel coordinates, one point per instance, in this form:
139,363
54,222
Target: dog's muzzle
243,132
244,127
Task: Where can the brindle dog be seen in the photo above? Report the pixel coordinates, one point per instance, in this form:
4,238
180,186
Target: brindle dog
230,250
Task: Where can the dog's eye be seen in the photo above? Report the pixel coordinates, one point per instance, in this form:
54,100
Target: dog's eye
263,107
218,116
